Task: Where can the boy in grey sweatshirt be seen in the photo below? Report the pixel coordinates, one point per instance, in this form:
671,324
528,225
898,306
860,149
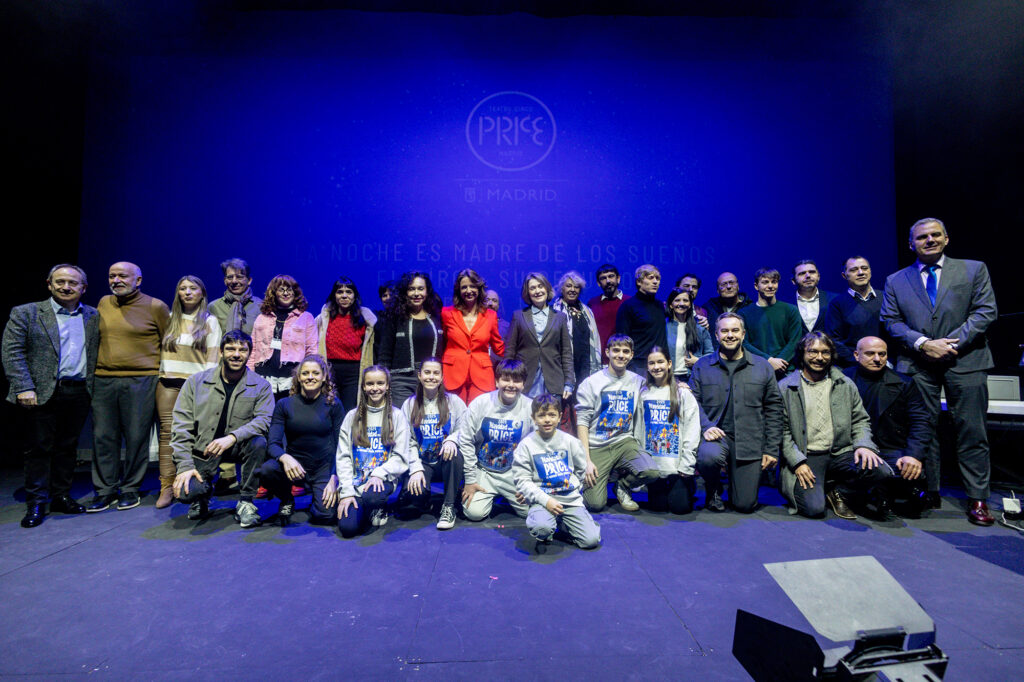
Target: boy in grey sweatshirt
548,467
489,432
606,408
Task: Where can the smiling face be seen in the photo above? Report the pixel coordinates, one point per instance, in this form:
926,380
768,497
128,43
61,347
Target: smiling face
234,355
730,333
728,285
659,367
416,294
430,376
344,297
546,420
236,281
190,295
124,279
767,287
508,388
311,379
871,353
681,305
66,287
857,273
285,295
928,241
468,292
619,356
571,291
537,293
375,388
817,357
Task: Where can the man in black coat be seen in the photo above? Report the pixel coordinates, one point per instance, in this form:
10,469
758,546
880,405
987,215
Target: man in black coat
49,357
900,422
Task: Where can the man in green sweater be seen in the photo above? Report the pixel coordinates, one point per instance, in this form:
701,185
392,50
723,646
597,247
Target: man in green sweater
774,327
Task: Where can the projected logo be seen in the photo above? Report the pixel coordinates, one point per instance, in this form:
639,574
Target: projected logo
510,131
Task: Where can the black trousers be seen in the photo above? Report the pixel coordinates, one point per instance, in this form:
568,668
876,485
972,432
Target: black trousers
346,382
674,493
967,398
52,431
273,478
358,519
249,454
840,472
448,472
744,476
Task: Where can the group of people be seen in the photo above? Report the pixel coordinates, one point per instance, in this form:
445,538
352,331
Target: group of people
545,411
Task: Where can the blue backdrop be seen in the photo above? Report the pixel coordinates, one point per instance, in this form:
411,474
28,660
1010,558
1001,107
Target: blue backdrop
327,143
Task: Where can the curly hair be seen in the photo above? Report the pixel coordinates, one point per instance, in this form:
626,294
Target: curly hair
398,306
269,305
328,391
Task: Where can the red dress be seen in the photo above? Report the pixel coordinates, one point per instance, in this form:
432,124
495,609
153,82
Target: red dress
467,365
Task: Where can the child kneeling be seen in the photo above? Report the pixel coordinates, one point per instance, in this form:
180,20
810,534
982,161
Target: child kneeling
549,465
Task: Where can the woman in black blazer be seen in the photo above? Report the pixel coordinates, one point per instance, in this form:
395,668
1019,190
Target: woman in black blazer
539,336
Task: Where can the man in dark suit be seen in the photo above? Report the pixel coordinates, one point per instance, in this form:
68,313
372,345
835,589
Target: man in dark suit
49,356
937,312
900,423
810,300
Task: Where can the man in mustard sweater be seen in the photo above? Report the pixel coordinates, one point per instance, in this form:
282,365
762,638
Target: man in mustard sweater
128,362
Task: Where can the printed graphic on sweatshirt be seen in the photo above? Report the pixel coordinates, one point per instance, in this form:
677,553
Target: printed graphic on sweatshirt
365,460
500,438
430,436
661,429
616,414
554,471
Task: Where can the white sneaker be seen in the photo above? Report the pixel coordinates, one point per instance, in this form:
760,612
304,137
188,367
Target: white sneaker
246,514
447,519
625,499
378,517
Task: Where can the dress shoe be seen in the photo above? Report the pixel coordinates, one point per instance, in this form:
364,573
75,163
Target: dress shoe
839,506
978,514
165,499
100,503
65,504
34,516
931,500
713,502
128,501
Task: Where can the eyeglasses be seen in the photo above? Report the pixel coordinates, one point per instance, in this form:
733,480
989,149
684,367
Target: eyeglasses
284,289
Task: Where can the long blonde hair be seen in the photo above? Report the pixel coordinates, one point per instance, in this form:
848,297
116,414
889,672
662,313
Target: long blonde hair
177,325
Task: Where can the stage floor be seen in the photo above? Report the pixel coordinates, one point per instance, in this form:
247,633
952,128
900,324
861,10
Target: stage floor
147,594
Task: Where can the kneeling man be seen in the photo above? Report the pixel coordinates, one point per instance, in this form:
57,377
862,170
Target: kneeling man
826,436
222,414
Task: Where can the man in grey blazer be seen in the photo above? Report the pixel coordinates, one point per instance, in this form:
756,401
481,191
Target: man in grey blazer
49,357
937,312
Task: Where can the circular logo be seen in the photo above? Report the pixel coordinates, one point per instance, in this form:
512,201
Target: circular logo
510,131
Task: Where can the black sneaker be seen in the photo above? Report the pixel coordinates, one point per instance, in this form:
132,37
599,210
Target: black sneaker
128,501
713,502
198,509
100,503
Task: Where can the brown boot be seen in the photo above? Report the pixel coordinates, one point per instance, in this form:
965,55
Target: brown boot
166,497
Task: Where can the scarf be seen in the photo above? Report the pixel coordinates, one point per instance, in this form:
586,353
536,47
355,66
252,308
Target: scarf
237,320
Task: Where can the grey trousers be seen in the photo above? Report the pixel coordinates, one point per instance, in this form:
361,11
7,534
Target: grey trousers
122,407
967,398
576,521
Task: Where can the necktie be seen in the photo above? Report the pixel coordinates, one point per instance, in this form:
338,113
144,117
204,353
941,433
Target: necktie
931,283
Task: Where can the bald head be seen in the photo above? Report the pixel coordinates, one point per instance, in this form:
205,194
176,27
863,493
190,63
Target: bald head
728,285
871,354
124,278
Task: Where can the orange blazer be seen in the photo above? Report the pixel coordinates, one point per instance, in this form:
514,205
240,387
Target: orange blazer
466,360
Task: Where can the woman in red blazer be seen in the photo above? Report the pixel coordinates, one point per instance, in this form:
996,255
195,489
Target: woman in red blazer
470,329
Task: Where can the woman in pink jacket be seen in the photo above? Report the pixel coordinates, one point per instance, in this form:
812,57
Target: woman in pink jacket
283,333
